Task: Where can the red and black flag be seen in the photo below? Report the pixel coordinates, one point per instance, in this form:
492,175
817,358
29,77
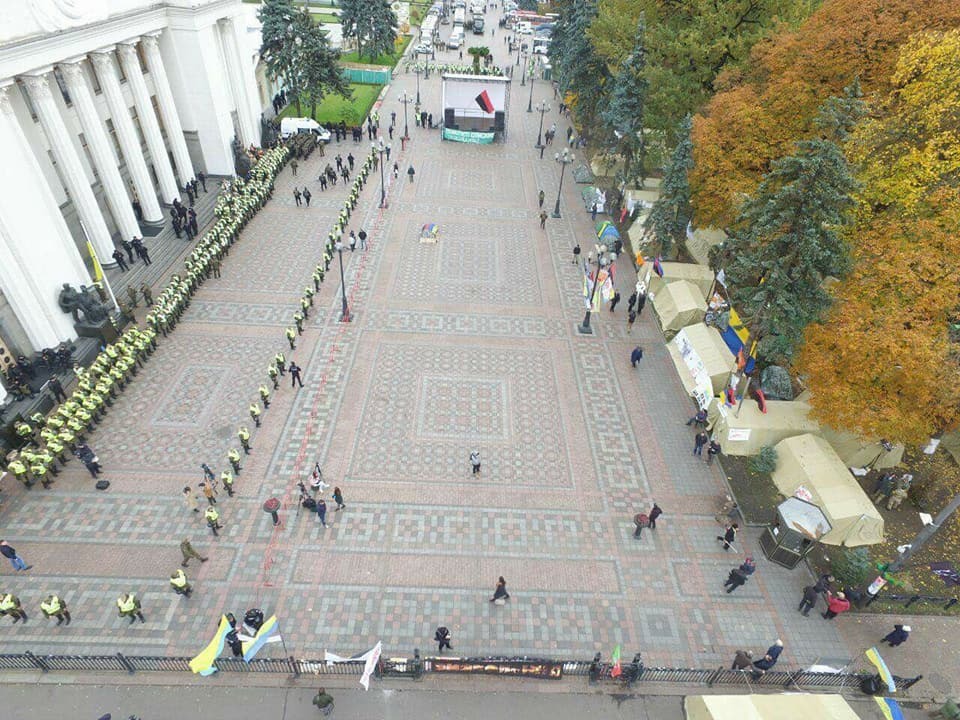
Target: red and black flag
483,100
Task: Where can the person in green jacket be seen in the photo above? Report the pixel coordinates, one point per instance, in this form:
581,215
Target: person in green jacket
323,701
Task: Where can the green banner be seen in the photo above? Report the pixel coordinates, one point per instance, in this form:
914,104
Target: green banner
465,136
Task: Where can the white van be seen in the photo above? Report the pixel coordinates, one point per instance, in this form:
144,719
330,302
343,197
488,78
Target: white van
294,126
456,38
524,28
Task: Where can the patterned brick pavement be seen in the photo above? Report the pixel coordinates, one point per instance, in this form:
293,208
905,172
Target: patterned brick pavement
469,343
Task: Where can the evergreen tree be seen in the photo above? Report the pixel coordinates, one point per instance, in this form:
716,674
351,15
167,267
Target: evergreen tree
282,25
579,69
321,73
624,114
788,239
671,212
372,23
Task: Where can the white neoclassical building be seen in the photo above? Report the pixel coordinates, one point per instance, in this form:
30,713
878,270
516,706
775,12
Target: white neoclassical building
106,108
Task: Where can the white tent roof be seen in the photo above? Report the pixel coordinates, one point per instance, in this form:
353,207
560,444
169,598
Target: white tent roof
809,468
677,305
785,706
699,275
746,433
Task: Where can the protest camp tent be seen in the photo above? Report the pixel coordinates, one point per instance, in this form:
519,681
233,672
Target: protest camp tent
751,430
677,305
783,706
808,468
703,361
857,452
699,275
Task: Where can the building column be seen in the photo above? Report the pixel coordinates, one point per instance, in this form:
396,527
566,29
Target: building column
129,142
248,75
148,121
168,110
113,186
231,51
78,185
37,252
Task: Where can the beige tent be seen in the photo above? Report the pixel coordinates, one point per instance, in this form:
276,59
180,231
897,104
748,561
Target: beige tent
699,275
857,452
677,305
752,430
703,360
808,467
951,443
700,241
784,706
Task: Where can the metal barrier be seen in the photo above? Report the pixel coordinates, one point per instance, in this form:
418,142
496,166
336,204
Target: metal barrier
415,667
908,600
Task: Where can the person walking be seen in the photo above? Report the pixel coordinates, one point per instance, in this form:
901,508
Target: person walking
297,195
324,701
322,511
808,601
742,660
293,166
213,520
353,241
735,579
180,584
631,319
713,449
475,461
729,535
761,666
362,235
641,301
654,513
410,173
898,636
540,198
191,500
295,375
338,499
699,441
209,493
836,604
500,594
10,553
543,219
576,254
207,472
186,549
631,301
307,196
118,257
615,300
128,605
442,636
636,356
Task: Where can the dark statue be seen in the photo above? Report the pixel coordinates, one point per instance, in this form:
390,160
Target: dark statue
268,131
241,161
71,301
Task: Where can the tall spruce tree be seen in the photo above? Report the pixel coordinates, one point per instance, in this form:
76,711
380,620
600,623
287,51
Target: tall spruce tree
623,117
372,23
671,212
789,238
579,69
279,48
321,73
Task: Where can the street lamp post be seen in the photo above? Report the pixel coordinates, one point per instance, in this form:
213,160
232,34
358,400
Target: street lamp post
530,99
345,311
426,66
564,158
406,128
518,51
379,147
542,108
523,75
417,71
604,258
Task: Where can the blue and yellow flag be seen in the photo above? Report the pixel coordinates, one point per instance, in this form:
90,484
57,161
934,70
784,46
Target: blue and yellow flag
874,657
890,708
97,270
204,663
266,631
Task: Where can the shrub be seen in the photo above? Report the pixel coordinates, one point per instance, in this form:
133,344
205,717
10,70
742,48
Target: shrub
765,461
852,567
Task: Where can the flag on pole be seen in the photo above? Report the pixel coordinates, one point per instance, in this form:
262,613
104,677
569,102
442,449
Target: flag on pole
97,270
617,669
204,663
372,657
658,266
483,100
268,632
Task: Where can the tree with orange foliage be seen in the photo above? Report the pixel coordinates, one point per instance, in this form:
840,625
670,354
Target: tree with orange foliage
883,363
761,111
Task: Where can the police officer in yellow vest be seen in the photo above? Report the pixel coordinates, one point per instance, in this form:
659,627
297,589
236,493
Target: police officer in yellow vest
178,581
129,606
10,605
213,520
255,414
53,606
265,396
19,470
244,436
274,375
226,477
291,337
234,459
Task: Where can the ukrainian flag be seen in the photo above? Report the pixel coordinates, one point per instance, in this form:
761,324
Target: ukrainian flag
204,663
268,629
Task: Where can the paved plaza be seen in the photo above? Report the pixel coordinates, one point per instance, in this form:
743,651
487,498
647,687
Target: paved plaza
470,343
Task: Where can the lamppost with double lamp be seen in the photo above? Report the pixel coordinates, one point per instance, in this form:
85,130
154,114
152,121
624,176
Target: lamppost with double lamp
543,108
518,50
605,257
345,311
379,147
416,69
406,101
426,66
523,75
564,158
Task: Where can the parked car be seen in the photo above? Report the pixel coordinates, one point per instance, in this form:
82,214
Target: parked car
296,126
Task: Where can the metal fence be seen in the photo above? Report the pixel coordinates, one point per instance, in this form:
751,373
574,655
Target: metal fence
945,602
367,76
415,667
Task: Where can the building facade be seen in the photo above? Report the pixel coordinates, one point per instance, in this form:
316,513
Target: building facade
107,107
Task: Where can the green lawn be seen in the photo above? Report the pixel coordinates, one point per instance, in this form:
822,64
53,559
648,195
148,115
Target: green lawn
388,59
334,108
325,18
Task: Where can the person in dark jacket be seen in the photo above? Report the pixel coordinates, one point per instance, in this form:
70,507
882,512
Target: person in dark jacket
809,600
442,636
500,593
636,356
769,659
729,535
654,513
898,636
742,660
735,579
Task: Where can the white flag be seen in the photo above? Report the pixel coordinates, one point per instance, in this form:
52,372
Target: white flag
372,657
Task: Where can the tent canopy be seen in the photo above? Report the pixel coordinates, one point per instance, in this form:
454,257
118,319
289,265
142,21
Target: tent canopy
807,463
785,706
677,305
703,361
700,240
699,275
752,430
857,452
